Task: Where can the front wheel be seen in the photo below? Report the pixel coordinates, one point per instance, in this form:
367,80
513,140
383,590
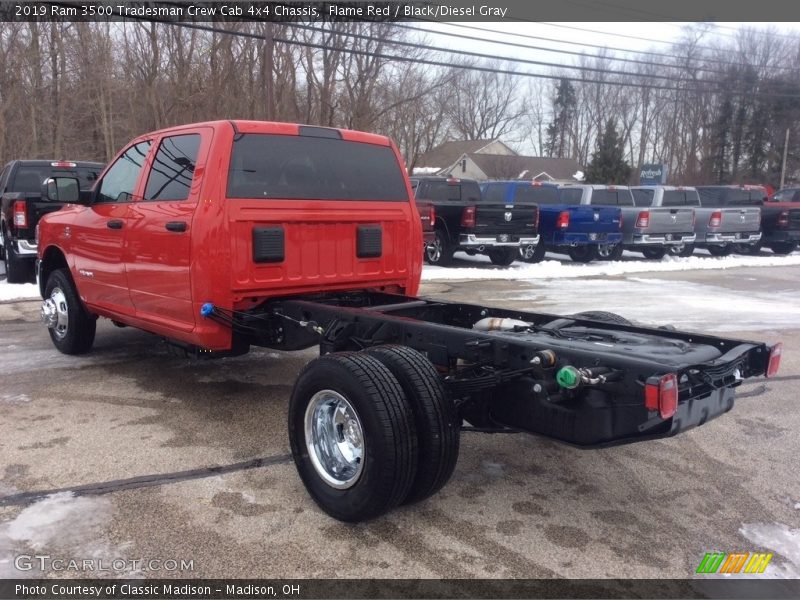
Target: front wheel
352,435
720,250
439,253
654,253
783,247
71,327
583,254
502,257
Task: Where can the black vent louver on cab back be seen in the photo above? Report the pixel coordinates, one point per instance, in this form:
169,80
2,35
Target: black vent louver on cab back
268,244
369,241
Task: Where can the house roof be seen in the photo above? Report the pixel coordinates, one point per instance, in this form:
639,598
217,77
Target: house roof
501,166
448,153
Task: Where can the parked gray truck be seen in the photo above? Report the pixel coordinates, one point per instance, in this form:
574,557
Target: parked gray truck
718,228
646,229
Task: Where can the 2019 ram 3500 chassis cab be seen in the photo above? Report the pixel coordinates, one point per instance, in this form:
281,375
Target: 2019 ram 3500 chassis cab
223,235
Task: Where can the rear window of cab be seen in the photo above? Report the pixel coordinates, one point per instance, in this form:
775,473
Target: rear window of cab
269,166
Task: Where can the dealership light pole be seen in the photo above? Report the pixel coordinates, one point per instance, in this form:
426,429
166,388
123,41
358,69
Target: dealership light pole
785,150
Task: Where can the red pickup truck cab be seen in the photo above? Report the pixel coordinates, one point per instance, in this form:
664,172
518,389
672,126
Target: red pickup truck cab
233,212
225,235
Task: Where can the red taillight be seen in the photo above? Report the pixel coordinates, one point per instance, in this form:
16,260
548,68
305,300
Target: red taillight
563,220
774,360
432,214
661,394
20,214
643,220
468,217
783,219
716,219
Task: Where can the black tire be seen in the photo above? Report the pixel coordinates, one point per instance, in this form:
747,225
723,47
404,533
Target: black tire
720,250
440,252
78,336
601,315
654,253
389,438
583,254
503,257
18,269
783,247
750,249
437,421
682,250
538,254
606,252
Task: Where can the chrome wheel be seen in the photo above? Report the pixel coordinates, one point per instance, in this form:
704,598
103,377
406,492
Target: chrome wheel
334,439
55,313
434,251
675,249
527,252
605,250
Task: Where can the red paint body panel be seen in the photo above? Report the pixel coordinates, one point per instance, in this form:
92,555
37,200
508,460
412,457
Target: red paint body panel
148,277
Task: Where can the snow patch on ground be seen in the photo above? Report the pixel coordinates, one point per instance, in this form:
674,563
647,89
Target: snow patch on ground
18,291
61,525
553,269
15,398
781,540
797,505
657,302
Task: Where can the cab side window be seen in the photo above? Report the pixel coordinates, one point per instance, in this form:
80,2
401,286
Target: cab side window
120,180
171,175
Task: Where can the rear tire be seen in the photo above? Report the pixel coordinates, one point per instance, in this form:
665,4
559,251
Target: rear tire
720,250
18,270
783,247
609,252
538,254
583,254
352,435
439,253
601,315
654,253
75,328
682,250
503,257
437,421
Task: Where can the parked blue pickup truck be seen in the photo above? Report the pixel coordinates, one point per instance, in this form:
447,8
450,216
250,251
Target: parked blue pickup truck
565,226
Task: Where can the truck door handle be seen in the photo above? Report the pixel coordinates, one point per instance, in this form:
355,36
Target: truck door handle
115,224
176,226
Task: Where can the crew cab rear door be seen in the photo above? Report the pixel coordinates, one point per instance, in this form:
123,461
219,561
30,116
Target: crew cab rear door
158,252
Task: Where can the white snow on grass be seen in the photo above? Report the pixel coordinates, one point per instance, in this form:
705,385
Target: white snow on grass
553,269
653,301
782,541
18,291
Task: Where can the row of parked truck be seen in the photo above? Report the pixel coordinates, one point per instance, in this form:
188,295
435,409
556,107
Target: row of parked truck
522,220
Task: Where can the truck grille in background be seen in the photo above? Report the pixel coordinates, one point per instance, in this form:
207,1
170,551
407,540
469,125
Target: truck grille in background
268,244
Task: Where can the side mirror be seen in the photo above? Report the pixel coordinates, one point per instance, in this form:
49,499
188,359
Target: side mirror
61,189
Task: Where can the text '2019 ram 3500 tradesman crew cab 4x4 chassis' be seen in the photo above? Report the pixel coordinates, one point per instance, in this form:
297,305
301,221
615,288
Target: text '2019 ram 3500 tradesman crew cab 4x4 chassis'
220,236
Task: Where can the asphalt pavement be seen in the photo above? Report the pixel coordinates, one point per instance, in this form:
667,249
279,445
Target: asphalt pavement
135,430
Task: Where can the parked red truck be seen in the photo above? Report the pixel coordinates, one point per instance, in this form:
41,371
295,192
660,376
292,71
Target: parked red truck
225,235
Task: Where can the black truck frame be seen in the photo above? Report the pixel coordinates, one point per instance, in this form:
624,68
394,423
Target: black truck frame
589,380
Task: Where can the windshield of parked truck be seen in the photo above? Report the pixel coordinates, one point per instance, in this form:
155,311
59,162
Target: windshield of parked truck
268,166
643,197
613,196
680,198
